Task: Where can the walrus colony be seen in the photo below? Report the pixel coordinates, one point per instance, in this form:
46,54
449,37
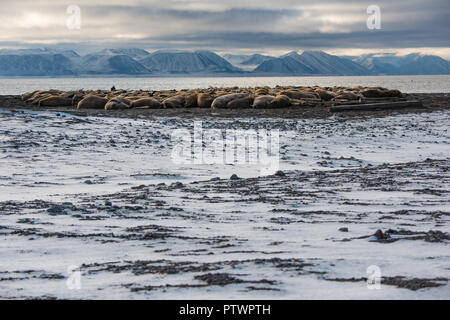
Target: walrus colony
340,98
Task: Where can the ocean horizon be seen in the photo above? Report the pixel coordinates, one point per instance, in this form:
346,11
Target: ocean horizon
406,84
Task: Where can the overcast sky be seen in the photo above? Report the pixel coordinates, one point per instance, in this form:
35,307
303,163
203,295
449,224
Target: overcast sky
238,26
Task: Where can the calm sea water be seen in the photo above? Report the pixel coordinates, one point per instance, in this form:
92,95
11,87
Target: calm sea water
409,84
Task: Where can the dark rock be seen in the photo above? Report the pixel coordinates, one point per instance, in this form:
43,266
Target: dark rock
177,185
218,279
280,173
381,236
56,210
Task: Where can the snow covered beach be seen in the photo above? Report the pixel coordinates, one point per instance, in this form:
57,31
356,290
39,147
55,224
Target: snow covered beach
99,197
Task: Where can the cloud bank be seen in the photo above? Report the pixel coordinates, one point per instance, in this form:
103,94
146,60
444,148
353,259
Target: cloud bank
263,25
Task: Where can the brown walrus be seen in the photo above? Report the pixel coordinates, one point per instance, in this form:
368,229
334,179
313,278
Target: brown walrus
280,101
347,95
37,98
150,103
28,95
204,100
77,98
92,102
262,91
55,101
325,94
380,93
174,102
262,102
222,101
118,104
296,94
190,100
240,103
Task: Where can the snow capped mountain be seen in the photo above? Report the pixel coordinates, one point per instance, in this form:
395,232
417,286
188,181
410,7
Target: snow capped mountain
48,62
187,62
324,63
135,61
26,51
425,64
109,64
39,51
312,63
246,60
37,62
284,65
256,59
236,59
134,53
411,64
35,65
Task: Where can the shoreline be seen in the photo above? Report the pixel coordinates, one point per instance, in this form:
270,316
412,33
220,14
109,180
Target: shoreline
431,102
102,194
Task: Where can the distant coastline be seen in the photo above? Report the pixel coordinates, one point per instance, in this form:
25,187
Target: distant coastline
204,75
136,62
407,84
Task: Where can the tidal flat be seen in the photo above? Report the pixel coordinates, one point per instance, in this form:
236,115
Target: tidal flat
94,195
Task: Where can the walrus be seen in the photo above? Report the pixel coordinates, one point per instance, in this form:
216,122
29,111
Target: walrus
190,100
296,94
240,103
325,95
347,95
262,102
280,101
174,102
92,102
262,91
77,98
26,96
46,92
380,93
118,104
132,98
55,101
69,94
150,103
37,98
307,90
222,101
204,100
117,92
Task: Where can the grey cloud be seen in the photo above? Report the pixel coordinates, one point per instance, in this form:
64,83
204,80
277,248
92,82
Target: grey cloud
234,24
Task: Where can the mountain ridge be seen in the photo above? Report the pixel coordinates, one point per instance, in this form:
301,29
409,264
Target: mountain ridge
136,61
410,64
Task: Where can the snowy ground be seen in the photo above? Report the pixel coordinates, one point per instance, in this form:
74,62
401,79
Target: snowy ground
103,194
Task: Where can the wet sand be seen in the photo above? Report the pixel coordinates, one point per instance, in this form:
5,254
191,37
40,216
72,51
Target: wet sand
431,102
355,190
